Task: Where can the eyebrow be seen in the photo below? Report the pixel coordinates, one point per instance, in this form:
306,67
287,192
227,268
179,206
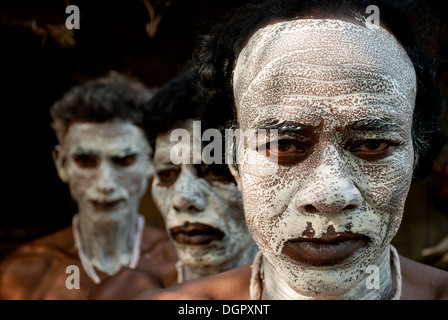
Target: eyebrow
122,153
283,126
126,152
373,124
83,152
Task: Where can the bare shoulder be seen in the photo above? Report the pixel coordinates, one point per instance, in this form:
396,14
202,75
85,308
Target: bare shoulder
423,282
228,285
23,269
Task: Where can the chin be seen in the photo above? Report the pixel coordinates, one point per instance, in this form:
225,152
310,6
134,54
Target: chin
110,216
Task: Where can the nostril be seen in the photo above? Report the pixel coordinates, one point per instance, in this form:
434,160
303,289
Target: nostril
185,204
193,208
351,207
310,209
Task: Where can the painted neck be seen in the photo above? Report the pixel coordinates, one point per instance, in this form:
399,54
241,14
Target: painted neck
378,286
108,245
188,272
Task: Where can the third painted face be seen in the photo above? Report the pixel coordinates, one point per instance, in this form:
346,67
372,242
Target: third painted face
107,166
341,96
201,207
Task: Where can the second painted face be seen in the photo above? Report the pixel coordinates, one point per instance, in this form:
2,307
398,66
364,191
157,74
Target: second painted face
107,166
201,206
341,96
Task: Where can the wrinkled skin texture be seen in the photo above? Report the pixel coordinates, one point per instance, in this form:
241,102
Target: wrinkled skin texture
188,194
330,179
107,166
345,155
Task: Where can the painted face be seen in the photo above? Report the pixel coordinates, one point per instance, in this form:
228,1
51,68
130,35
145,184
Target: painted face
341,96
106,166
201,207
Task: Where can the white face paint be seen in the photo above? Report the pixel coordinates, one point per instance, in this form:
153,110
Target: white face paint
202,209
342,97
107,166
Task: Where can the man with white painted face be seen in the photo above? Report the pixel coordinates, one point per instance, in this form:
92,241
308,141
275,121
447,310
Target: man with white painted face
104,155
200,204
356,120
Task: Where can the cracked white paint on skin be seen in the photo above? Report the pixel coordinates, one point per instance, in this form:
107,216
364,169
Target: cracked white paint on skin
218,204
326,75
107,236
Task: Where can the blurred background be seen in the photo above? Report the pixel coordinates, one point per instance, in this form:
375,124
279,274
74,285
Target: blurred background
147,39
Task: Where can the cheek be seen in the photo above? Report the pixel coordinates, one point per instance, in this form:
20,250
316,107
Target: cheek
134,179
385,189
266,196
130,181
227,199
78,180
162,197
385,186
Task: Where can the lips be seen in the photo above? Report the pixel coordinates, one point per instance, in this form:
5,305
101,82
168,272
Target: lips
106,205
196,234
326,250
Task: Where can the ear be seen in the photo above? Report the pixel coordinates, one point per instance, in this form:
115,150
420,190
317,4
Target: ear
233,166
149,169
149,166
236,174
59,161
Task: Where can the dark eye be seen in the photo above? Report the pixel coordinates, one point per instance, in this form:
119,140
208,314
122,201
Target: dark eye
285,151
125,161
85,161
168,176
215,172
372,149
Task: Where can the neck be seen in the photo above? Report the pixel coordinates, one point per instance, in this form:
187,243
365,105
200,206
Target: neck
377,286
107,245
188,272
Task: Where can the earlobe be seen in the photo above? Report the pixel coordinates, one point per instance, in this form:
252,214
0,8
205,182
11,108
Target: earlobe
149,166
236,174
233,167
149,169
59,161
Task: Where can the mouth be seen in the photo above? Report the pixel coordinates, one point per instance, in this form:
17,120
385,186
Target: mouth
326,250
196,234
106,205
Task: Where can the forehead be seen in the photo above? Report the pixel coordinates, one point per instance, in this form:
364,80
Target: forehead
111,135
164,143
323,65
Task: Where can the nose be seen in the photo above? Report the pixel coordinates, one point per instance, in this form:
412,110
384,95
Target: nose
188,195
105,179
330,189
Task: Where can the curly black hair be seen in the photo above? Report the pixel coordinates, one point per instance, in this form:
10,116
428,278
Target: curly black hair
174,102
177,101
110,97
417,25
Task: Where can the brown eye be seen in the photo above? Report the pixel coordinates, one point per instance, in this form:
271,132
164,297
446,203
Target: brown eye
215,172
286,146
287,151
373,149
373,145
85,161
168,177
125,161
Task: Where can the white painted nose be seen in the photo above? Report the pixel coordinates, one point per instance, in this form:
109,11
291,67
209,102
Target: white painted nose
105,178
330,189
187,194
